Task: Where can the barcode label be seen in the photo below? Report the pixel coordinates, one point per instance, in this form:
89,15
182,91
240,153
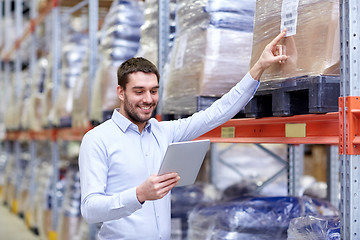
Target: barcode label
289,13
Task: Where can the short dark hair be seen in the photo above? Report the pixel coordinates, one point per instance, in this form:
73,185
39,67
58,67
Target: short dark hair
136,64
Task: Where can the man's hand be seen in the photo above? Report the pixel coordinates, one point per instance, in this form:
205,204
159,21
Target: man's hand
271,54
156,186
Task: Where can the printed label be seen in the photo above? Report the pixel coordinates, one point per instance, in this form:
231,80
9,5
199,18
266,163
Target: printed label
289,14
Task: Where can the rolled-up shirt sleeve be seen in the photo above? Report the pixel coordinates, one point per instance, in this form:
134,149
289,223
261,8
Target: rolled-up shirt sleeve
96,205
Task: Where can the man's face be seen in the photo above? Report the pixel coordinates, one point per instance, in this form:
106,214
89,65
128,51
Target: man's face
140,98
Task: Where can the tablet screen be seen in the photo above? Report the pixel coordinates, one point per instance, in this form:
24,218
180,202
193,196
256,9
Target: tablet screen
186,159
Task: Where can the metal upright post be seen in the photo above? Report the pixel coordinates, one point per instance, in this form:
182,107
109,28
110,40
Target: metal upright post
93,47
333,170
18,62
93,52
55,86
163,44
296,166
18,98
33,143
350,92
18,174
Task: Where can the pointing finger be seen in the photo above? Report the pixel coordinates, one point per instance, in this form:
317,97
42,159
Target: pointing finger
277,39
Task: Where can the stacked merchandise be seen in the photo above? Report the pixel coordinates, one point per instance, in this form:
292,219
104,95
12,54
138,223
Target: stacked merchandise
9,177
312,227
36,186
149,31
71,217
44,208
211,51
308,81
183,201
73,55
3,163
119,42
16,187
23,180
253,217
313,50
35,107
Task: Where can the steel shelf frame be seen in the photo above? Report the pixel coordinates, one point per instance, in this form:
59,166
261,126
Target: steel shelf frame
349,109
50,15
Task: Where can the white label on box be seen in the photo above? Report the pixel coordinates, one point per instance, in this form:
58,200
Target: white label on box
179,58
289,14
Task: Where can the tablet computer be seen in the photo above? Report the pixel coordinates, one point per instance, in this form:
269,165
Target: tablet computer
186,159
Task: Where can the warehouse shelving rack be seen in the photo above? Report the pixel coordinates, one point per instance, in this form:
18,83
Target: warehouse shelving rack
50,15
340,130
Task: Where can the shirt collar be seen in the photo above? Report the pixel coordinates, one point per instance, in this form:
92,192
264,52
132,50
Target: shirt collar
123,123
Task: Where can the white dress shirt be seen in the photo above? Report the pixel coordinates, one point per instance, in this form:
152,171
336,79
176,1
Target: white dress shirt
115,158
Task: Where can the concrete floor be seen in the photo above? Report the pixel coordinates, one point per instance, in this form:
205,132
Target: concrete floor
12,227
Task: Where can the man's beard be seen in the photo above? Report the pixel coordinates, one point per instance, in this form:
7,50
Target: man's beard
131,113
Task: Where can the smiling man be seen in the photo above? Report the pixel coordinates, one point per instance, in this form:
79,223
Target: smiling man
119,158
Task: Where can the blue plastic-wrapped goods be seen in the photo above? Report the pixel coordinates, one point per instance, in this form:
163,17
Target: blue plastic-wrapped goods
183,201
253,217
314,228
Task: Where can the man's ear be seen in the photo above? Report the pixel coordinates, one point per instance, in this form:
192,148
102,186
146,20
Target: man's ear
120,92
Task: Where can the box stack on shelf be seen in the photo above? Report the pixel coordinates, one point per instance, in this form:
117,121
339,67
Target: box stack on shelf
119,41
210,55
310,78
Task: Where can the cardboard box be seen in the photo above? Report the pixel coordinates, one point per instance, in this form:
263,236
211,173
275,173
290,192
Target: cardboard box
313,50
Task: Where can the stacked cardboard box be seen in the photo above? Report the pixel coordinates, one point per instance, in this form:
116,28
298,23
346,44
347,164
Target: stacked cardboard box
313,50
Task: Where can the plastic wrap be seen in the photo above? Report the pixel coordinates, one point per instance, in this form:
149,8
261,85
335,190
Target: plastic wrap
104,97
314,228
183,201
37,94
3,163
80,109
149,31
119,41
71,217
314,50
253,218
211,54
73,55
242,188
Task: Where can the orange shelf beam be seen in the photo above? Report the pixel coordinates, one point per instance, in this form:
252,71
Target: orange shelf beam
315,128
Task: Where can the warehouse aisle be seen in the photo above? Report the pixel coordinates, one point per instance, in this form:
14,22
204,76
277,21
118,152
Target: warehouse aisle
13,227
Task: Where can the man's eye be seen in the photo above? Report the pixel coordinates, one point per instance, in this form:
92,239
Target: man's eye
138,92
154,91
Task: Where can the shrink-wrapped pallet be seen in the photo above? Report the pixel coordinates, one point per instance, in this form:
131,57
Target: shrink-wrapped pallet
35,109
264,218
149,31
315,47
73,55
211,51
119,41
314,227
